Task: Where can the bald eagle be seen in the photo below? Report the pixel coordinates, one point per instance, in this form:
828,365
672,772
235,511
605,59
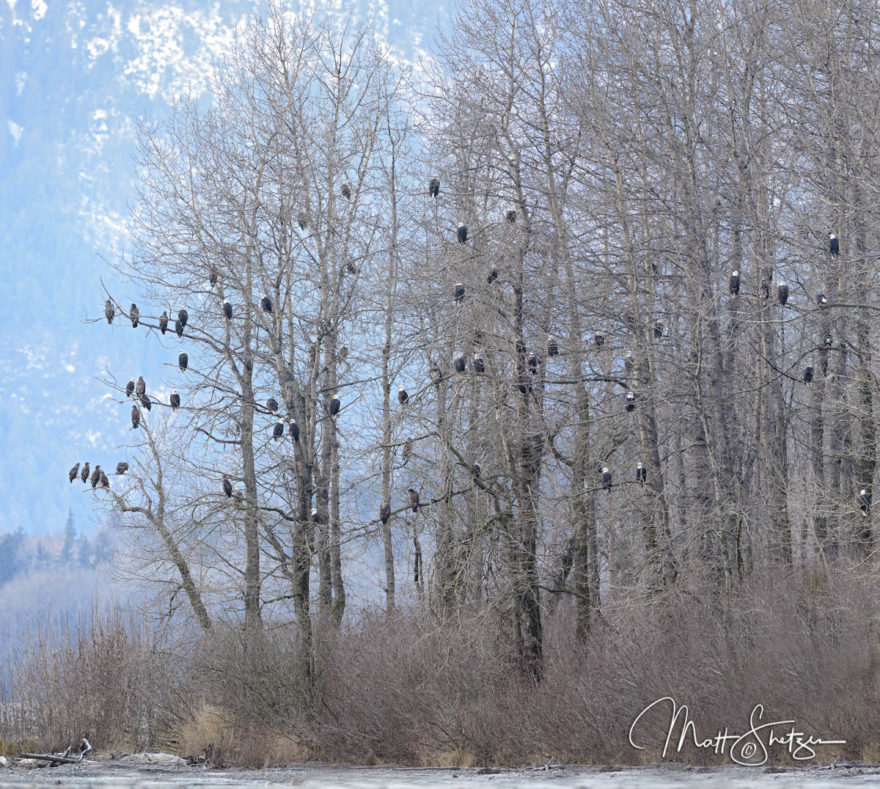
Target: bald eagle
135,314
459,363
828,342
316,518
302,221
163,322
278,430
109,311
459,292
227,488
552,346
146,402
821,300
227,310
135,417
96,477
407,449
103,481
384,512
346,190
629,361
272,405
833,245
630,401
293,429
413,499
533,364
606,479
84,474
599,339
436,374
808,373
492,275
478,364
129,388
641,473
511,215
734,283
182,361
865,502
178,328
476,470
141,387
174,401
72,474
333,407
121,467
658,330
782,293
212,275
183,317
433,191
462,233
266,303
402,394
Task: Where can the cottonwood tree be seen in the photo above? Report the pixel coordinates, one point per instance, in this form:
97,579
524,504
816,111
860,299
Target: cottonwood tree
258,216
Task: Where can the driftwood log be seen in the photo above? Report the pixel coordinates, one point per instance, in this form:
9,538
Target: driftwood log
52,757
62,758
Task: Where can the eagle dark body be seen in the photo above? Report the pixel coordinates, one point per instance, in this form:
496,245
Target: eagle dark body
163,322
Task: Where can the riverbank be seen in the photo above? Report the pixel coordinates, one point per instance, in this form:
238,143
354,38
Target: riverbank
119,773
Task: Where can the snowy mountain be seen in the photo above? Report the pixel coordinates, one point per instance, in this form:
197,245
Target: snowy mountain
76,77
